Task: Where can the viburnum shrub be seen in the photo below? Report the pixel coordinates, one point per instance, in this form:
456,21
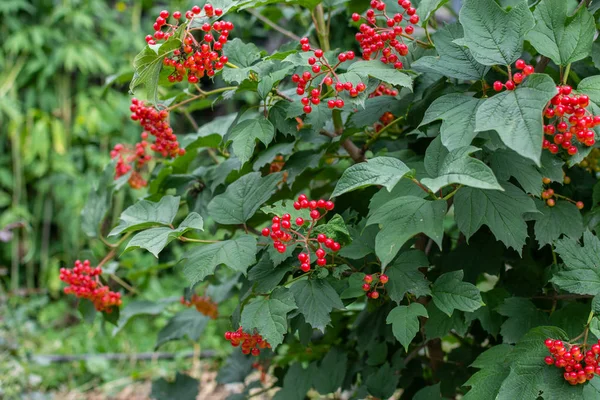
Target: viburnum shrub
380,213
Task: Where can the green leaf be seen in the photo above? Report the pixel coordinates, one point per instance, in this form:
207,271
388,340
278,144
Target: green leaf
494,366
269,315
244,136
332,371
242,198
502,212
138,307
384,72
237,367
426,9
266,275
382,384
201,261
286,207
187,323
517,115
296,383
489,319
98,202
147,65
450,293
506,163
402,218
384,171
493,35
562,38
454,61
316,299
522,315
591,87
456,166
429,393
145,214
335,229
440,325
209,134
241,54
156,239
552,222
375,107
87,310
184,387
581,271
457,112
363,241
405,322
405,277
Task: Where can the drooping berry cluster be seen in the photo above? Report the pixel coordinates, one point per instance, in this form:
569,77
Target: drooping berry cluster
84,282
516,78
386,42
203,304
284,232
128,158
373,283
307,82
251,343
568,121
570,357
196,57
550,197
156,123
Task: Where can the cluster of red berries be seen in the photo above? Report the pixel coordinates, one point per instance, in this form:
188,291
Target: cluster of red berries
516,78
372,283
570,360
283,234
84,282
251,344
549,194
203,304
127,158
154,123
196,57
375,39
383,90
569,120
321,67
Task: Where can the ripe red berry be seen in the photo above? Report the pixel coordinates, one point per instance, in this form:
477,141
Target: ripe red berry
266,232
551,202
498,86
196,10
374,295
321,238
520,64
321,261
305,267
299,221
315,214
320,253
383,279
580,205
368,278
366,287
355,17
510,85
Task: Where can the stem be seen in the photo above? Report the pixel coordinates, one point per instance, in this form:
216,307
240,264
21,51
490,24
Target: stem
187,239
378,134
321,27
452,193
201,95
347,144
542,64
566,74
273,25
122,283
500,70
429,192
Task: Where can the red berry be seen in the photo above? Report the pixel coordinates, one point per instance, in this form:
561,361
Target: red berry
580,205
366,287
355,17
520,64
498,86
374,295
368,279
196,10
305,267
549,360
322,238
383,279
266,232
315,214
299,221
510,85
321,261
321,253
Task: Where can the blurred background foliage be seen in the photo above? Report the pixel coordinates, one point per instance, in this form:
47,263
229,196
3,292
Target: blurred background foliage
65,67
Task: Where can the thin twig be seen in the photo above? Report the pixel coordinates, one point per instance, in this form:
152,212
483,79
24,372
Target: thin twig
273,25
